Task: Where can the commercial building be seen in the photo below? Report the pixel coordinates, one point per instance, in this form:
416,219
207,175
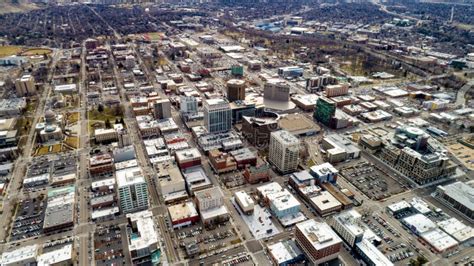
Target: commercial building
257,173
338,148
217,115
221,162
20,256
457,229
283,203
276,95
244,157
143,238
349,226
439,240
210,203
324,173
188,104
418,223
307,102
458,196
147,126
183,214
12,106
371,254
244,201
60,210
60,256
25,85
188,158
298,125
325,203
285,253
290,72
337,90
284,151
325,111
318,241
196,179
132,190
105,135
171,182
236,90
257,129
242,108
162,109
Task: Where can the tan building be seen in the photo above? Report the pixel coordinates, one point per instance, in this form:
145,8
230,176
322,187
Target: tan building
25,85
235,90
105,135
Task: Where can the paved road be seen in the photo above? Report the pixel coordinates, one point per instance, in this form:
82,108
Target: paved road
461,93
11,194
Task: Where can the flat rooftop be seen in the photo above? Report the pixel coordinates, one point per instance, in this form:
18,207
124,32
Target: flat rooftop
320,235
460,192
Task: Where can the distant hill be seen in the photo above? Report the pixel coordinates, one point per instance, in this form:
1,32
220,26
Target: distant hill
11,6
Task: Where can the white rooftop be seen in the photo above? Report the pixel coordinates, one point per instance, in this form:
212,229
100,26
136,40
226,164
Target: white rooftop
104,212
147,234
420,205
129,176
19,255
269,188
62,254
439,239
319,234
244,198
284,251
325,201
283,200
460,192
420,222
373,253
398,206
457,229
103,182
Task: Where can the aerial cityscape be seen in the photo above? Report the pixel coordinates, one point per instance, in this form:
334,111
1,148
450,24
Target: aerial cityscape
237,132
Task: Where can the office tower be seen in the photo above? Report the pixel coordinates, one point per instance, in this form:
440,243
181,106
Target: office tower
132,188
25,85
284,151
188,104
162,109
217,115
276,90
325,110
235,90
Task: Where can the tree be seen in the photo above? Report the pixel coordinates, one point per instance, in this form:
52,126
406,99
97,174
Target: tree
122,121
420,260
117,121
100,108
107,123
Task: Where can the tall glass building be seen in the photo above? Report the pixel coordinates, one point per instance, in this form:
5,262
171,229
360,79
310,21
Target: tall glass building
217,115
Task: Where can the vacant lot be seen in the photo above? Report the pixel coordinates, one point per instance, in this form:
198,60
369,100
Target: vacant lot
9,50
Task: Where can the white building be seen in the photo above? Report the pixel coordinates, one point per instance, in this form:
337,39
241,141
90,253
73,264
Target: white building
318,241
105,135
142,237
188,104
61,256
132,188
349,226
211,206
284,151
244,201
217,115
20,256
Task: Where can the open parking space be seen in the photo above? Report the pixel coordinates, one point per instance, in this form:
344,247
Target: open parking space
392,245
207,240
108,246
29,220
372,181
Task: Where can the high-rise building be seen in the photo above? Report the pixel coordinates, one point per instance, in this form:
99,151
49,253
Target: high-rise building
25,85
162,109
325,110
188,104
318,241
284,151
276,90
235,90
132,188
217,115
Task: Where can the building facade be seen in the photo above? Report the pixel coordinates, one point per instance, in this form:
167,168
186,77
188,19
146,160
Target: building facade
217,115
284,151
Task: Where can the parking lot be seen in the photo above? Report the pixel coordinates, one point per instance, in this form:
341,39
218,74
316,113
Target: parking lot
207,240
396,250
373,182
29,220
108,246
